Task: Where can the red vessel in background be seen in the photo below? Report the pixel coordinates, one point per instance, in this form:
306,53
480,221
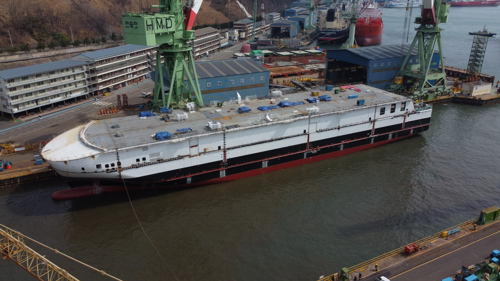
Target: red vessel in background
465,3
369,26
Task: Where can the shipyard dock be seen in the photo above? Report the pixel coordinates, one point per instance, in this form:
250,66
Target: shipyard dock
436,257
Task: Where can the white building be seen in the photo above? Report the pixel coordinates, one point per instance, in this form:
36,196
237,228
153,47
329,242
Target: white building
207,41
245,28
273,17
113,68
32,88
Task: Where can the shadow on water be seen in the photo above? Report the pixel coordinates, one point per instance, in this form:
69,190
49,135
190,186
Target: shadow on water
40,203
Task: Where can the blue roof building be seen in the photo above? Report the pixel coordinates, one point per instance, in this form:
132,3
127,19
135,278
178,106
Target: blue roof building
375,66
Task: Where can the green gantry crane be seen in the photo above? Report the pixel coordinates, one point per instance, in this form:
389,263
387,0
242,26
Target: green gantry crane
170,30
421,80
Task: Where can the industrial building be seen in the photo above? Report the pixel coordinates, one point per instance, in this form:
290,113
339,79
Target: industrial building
291,12
273,17
39,86
302,20
284,29
375,66
113,68
245,28
207,41
221,80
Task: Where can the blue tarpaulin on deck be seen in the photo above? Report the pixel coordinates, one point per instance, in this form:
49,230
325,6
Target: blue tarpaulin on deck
163,136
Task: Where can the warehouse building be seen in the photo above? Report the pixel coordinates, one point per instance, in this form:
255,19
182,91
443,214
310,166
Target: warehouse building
33,88
302,20
284,29
375,66
113,68
207,41
292,12
220,81
245,28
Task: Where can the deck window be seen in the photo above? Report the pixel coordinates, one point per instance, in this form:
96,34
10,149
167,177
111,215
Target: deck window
98,166
112,164
106,166
393,108
137,160
382,110
143,158
403,106
209,85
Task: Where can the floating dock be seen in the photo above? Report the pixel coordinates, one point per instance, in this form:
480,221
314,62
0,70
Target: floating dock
436,257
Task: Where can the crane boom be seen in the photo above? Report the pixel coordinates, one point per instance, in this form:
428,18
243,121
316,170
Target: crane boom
13,247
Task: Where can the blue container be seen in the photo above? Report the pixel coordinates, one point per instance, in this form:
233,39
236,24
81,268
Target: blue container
495,260
360,102
353,96
244,109
325,98
447,279
329,87
165,110
471,278
495,253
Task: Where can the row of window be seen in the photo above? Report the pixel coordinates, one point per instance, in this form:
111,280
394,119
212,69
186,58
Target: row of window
118,164
36,93
40,75
393,108
231,82
42,83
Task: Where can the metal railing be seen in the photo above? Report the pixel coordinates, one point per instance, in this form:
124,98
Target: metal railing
398,251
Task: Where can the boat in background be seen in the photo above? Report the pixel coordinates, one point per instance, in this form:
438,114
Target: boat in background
466,3
403,4
369,26
333,28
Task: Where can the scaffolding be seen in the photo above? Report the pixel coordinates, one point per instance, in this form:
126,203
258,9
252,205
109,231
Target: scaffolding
478,51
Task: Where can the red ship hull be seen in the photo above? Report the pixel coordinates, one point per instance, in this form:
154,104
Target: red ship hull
474,3
369,27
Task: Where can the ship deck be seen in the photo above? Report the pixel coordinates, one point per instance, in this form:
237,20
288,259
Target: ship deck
123,132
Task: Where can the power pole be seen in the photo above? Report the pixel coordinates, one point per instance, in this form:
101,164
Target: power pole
10,37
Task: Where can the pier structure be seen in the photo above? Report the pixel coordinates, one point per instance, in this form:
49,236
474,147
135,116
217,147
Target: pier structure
435,257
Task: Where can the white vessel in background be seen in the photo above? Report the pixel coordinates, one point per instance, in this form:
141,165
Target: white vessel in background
403,4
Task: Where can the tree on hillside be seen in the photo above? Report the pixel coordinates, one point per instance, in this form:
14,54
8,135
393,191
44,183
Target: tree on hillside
77,43
41,46
13,50
113,36
86,41
25,48
53,44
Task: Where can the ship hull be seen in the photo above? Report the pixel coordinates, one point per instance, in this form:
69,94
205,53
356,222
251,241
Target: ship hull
474,3
369,35
337,36
369,28
251,166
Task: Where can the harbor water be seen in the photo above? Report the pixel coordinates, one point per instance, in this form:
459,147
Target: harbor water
295,224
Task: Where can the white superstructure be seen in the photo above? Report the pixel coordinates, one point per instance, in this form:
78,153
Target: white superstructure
222,141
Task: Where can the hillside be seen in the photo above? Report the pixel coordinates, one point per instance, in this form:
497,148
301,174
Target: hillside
42,21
